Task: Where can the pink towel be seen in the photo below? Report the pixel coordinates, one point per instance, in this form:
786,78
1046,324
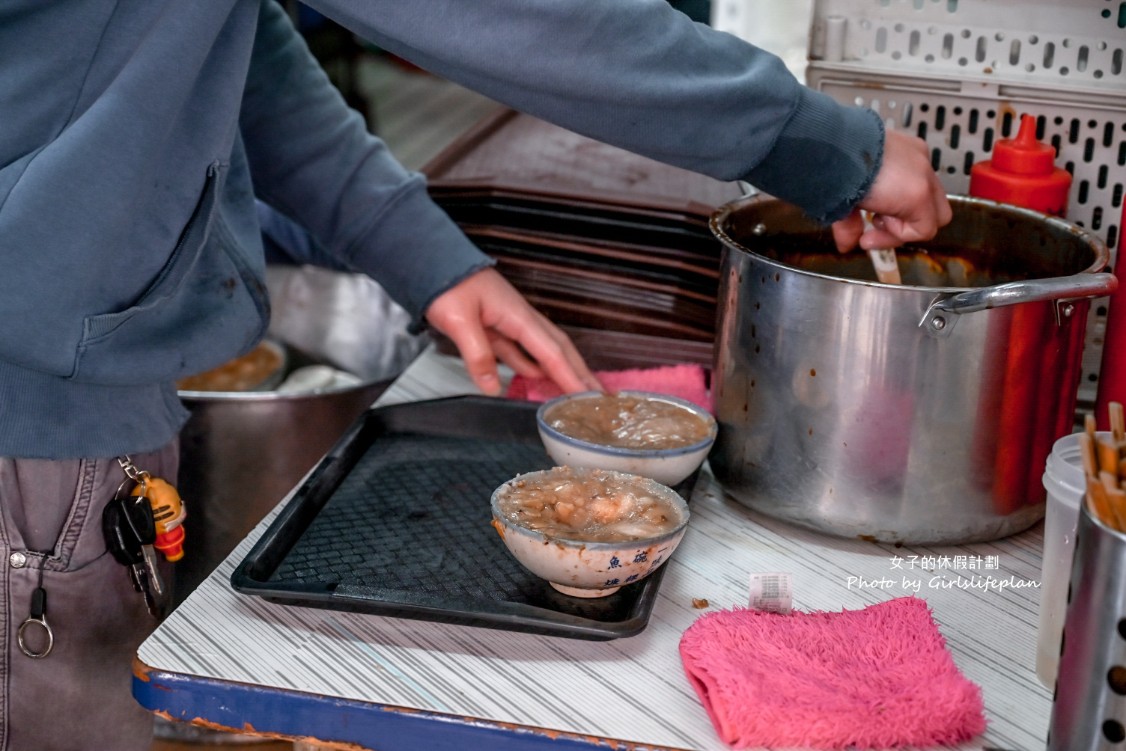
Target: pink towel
879,677
685,381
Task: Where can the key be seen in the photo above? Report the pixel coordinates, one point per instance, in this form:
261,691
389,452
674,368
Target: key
123,541
128,527
137,532
139,517
142,521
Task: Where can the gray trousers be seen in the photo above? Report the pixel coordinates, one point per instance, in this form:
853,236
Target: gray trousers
80,695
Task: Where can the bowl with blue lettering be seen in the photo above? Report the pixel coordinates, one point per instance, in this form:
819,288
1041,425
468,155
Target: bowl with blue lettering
589,532
644,433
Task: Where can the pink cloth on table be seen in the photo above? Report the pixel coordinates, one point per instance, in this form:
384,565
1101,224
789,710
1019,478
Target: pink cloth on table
686,381
879,677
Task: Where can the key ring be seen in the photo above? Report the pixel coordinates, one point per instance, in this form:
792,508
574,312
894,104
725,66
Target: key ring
41,621
37,616
140,479
130,469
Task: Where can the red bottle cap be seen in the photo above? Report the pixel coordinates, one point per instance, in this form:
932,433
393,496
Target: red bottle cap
1022,172
1024,155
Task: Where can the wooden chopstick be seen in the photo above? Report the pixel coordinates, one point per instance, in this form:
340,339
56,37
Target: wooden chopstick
1105,466
1087,454
1098,503
1116,499
1098,500
1107,454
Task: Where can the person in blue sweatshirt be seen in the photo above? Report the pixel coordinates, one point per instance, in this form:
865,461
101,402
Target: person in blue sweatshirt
134,137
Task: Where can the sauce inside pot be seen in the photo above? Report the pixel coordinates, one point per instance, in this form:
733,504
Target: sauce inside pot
918,268
588,505
936,265
628,422
985,245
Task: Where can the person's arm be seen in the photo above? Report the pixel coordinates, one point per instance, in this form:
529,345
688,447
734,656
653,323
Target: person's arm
288,243
313,160
642,76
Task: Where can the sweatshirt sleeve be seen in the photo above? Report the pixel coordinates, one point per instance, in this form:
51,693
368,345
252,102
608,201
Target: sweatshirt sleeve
640,75
313,159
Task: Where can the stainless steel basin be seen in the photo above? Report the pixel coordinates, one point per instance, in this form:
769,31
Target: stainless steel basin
242,452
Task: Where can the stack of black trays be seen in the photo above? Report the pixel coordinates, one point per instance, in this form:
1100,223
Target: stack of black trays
613,247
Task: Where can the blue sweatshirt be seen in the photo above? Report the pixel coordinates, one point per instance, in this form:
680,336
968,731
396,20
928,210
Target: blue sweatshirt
135,135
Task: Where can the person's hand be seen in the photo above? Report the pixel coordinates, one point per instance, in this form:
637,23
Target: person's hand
908,201
489,320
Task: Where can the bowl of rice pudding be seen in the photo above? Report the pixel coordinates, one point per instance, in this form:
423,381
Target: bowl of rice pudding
589,532
661,437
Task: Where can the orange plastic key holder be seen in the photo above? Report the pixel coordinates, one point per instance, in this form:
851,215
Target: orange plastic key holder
169,513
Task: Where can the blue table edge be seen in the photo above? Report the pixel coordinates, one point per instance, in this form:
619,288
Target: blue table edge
297,715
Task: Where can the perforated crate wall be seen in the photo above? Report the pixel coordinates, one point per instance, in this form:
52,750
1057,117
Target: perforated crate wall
960,73
1038,43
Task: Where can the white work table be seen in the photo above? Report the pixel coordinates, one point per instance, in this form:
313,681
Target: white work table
244,663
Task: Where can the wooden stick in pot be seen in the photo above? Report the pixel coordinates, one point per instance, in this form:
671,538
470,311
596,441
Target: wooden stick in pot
884,260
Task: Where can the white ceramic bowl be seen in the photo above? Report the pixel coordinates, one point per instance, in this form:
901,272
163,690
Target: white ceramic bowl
668,466
583,568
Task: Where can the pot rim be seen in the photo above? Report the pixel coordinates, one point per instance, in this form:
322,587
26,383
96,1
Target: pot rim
276,396
719,218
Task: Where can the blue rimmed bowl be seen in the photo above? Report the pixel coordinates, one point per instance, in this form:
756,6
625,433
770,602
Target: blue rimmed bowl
668,463
583,562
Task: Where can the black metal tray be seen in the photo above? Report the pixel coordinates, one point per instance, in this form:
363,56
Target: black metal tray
395,521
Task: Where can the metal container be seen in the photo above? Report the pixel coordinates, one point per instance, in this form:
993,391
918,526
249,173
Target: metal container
1089,700
918,413
243,452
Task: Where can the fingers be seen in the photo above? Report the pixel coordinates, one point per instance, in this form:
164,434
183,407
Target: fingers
907,196
478,355
553,350
926,211
854,230
487,319
512,355
565,366
879,235
847,231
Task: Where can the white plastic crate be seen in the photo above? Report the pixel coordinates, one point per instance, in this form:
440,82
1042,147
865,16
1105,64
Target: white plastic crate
1040,43
960,73
779,26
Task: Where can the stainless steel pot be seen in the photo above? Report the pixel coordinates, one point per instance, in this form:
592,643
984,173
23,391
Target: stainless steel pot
920,413
242,452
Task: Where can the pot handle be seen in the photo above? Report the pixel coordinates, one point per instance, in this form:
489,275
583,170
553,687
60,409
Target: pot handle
943,313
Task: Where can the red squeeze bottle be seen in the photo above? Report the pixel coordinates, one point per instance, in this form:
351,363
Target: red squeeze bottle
1023,172
1112,371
